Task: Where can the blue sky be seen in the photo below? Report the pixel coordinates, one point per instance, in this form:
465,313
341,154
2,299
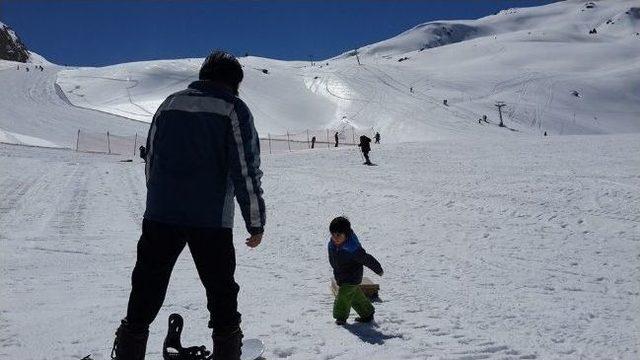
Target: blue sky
95,33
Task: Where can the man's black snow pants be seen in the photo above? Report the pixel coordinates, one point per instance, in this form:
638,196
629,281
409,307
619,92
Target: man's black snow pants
214,255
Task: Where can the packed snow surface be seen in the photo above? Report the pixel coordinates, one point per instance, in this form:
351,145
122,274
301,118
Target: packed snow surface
510,248
497,243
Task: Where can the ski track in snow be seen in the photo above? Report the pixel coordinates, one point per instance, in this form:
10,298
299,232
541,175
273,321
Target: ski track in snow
523,249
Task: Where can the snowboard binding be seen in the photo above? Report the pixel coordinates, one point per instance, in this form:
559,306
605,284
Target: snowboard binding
172,348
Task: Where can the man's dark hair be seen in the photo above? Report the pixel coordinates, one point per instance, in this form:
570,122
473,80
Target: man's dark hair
224,68
340,225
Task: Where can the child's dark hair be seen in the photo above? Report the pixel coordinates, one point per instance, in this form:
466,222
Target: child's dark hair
340,225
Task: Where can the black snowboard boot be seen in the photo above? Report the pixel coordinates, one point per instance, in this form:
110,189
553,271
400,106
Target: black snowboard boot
227,344
130,342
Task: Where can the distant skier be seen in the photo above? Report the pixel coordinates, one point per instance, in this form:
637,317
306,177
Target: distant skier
545,133
377,137
313,142
336,138
143,153
347,258
202,150
445,102
484,118
411,89
365,146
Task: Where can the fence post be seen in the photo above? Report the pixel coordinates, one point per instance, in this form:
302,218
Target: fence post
288,143
353,133
135,144
269,135
308,145
328,146
77,139
108,143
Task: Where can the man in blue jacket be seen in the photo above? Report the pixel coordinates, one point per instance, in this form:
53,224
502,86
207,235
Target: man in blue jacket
202,151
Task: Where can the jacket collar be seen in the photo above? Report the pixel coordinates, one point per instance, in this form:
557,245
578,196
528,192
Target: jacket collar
211,87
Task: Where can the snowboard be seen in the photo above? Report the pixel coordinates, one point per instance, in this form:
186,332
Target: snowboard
252,349
172,348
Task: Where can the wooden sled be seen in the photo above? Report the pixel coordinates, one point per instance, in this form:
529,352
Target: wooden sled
369,288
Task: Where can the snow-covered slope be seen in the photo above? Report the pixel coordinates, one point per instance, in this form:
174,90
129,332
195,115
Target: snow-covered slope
34,111
553,75
526,248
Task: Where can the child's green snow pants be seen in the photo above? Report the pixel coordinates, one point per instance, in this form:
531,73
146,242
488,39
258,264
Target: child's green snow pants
351,296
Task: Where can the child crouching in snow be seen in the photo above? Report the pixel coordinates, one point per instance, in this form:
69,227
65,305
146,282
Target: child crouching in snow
347,257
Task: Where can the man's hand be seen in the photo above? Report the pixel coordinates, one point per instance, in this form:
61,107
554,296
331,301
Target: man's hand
254,240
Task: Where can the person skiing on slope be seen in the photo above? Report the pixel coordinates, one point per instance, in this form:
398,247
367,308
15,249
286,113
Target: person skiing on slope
336,139
143,152
202,149
377,137
365,146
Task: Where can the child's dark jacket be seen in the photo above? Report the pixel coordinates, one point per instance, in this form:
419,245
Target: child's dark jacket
347,261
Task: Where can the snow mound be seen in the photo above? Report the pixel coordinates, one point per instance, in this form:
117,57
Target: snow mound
623,24
8,137
421,37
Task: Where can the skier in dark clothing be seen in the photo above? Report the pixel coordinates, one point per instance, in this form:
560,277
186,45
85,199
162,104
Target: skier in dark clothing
347,258
365,146
336,138
202,150
313,142
143,153
377,137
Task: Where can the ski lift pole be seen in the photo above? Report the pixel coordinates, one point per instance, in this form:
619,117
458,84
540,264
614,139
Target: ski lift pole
108,143
288,143
308,144
499,105
77,139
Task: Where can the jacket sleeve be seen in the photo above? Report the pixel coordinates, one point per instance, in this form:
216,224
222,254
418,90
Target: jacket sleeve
368,260
244,162
151,137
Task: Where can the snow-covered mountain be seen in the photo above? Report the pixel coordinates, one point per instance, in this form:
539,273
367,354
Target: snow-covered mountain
543,62
12,48
565,68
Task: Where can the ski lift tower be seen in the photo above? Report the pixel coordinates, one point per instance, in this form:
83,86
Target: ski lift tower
499,105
